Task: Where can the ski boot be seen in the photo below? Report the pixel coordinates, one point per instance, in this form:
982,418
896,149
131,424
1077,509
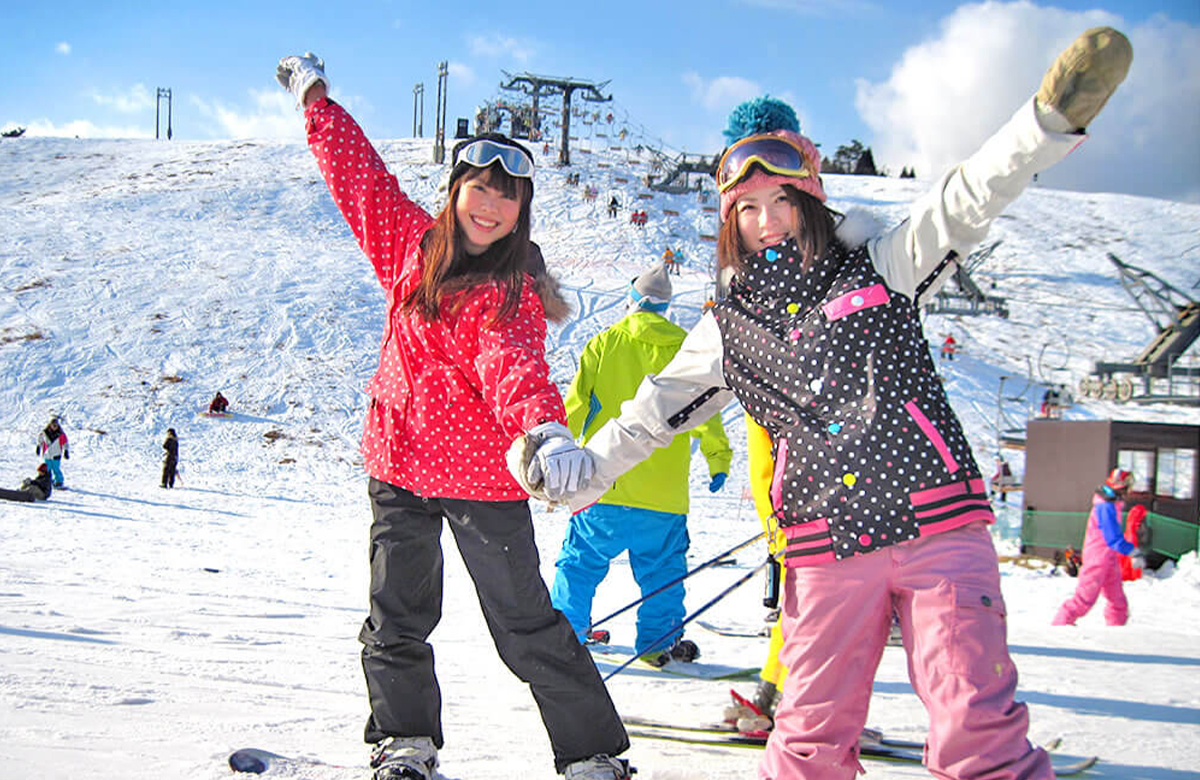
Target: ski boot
598,637
404,758
683,650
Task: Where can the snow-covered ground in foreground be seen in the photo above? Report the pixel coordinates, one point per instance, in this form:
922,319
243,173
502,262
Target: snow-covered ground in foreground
146,633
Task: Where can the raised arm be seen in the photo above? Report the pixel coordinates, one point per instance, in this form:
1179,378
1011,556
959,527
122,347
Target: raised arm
386,224
915,258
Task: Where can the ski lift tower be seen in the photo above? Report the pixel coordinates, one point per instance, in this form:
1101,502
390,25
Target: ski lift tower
536,86
1176,317
968,299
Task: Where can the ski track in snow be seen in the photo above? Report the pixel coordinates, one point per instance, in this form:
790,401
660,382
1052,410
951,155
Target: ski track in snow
147,633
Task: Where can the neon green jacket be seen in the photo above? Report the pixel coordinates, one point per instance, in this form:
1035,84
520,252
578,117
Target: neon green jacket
610,369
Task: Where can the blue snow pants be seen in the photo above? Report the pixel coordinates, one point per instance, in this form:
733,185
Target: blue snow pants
657,543
55,471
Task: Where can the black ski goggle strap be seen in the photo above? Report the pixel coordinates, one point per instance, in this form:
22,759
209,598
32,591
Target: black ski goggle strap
485,151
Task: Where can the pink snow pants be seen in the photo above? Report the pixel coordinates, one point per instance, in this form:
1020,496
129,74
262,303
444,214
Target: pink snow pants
836,616
1103,576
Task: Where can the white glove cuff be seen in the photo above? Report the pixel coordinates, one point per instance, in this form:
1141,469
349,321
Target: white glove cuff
551,430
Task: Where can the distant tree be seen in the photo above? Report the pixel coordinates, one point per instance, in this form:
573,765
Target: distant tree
865,164
16,132
908,173
827,166
846,157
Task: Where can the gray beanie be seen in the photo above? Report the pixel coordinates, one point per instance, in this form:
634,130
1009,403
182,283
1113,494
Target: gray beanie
652,290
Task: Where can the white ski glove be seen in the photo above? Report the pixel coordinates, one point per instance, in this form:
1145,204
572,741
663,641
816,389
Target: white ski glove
548,463
1085,76
297,74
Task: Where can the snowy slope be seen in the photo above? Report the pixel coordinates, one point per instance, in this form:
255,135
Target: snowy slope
146,633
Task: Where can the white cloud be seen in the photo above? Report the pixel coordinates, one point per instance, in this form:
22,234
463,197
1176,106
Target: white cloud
947,95
63,48
501,46
273,115
83,128
462,74
722,93
136,100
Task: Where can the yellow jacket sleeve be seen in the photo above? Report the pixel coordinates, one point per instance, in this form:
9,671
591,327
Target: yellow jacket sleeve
762,471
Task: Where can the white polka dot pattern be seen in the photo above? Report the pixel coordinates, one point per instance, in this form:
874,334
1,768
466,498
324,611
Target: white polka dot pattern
449,396
868,451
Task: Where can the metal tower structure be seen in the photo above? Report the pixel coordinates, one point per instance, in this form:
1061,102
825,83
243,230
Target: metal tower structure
537,86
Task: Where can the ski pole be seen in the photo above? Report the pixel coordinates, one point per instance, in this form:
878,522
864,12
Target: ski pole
690,618
677,580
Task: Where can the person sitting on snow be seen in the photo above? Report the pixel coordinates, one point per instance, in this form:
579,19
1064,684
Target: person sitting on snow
40,486
219,404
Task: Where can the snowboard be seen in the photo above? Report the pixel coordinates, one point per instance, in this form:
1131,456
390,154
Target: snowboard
765,631
609,657
16,495
257,762
883,750
217,415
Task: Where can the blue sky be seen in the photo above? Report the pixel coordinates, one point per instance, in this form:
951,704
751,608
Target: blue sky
922,83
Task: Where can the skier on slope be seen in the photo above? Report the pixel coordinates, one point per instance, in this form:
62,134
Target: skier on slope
52,447
1102,544
875,485
462,374
170,458
646,512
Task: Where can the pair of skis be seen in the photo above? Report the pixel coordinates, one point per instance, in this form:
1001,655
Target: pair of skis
872,745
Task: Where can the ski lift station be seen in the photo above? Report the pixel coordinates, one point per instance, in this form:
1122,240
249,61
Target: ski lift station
1066,460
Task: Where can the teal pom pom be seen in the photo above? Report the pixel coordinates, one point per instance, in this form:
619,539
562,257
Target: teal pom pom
760,115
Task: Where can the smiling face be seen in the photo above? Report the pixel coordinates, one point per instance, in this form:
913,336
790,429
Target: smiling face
765,217
485,213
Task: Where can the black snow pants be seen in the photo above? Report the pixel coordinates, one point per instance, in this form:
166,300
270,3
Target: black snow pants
534,640
168,475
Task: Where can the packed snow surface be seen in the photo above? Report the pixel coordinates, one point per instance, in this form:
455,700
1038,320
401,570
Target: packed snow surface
145,634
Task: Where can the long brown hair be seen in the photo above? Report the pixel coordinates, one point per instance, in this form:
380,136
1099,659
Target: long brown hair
813,227
449,269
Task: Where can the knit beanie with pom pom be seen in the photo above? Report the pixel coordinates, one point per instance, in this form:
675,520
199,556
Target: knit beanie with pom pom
770,116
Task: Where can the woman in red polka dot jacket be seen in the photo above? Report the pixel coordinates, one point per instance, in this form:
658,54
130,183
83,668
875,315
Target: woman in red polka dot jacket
875,488
462,375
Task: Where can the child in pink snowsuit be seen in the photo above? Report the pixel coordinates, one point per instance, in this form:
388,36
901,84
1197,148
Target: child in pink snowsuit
875,486
1103,545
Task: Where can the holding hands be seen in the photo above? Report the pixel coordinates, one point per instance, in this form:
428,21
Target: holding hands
548,463
298,74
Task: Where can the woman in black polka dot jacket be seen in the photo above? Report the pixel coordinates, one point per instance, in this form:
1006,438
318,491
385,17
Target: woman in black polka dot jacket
462,374
875,488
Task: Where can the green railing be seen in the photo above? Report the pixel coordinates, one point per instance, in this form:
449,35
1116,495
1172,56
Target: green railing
1171,536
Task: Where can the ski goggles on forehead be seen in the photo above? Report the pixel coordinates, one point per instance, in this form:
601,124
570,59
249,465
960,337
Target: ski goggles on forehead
773,153
485,151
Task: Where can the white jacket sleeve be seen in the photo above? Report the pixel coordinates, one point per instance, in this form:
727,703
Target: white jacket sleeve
957,212
686,393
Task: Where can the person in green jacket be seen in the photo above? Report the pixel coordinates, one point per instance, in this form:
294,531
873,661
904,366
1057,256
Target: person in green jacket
645,511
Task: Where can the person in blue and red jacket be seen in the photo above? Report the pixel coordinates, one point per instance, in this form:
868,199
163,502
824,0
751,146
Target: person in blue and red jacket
875,489
462,376
1103,545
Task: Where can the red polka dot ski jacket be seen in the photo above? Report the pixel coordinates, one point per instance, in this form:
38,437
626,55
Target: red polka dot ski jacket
449,396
